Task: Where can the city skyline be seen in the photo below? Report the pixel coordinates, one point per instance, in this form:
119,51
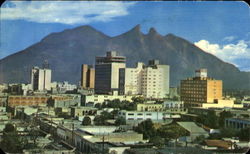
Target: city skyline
220,28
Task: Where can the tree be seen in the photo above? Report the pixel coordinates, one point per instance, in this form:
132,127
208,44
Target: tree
11,141
223,116
86,121
210,120
199,139
120,121
146,128
99,120
157,141
9,128
228,132
244,134
172,131
139,99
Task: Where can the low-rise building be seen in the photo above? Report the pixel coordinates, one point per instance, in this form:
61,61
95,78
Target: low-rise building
82,111
246,101
168,104
138,116
237,123
237,112
36,100
97,139
149,107
95,99
65,100
222,103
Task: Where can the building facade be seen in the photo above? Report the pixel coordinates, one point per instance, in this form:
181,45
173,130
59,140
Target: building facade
40,79
91,100
149,107
88,77
237,123
107,72
131,116
27,101
151,81
200,89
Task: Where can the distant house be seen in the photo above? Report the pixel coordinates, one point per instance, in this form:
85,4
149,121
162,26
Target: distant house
217,144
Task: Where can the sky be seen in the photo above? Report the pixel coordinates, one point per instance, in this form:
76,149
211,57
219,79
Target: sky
221,28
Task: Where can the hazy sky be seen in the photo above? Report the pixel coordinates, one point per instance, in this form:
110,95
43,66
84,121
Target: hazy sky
221,28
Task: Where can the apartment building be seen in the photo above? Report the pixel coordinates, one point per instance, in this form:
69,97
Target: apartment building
151,81
200,89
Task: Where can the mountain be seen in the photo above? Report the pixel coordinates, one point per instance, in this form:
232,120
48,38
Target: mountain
67,50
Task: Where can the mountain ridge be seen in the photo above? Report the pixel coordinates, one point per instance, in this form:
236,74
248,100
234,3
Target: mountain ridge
67,50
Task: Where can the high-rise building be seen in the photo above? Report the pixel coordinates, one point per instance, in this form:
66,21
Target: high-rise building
107,72
200,89
88,77
40,79
151,81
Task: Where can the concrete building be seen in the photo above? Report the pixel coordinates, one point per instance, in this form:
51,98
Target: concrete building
149,107
41,79
91,100
27,101
82,111
246,101
98,139
88,77
107,72
151,81
138,116
200,89
237,123
169,104
64,100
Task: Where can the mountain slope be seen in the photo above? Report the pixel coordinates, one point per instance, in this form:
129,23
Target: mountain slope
67,50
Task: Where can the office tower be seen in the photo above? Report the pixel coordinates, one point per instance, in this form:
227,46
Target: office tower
88,77
107,72
40,79
200,89
151,81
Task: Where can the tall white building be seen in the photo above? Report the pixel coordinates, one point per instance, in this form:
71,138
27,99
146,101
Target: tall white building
151,81
40,79
107,72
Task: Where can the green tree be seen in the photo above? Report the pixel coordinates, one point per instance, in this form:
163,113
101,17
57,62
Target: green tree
139,99
11,141
146,128
210,120
228,132
199,139
223,116
86,121
172,131
120,121
99,120
244,134
157,141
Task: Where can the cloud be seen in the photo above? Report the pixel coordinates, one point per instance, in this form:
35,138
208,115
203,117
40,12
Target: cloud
228,38
74,12
231,53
